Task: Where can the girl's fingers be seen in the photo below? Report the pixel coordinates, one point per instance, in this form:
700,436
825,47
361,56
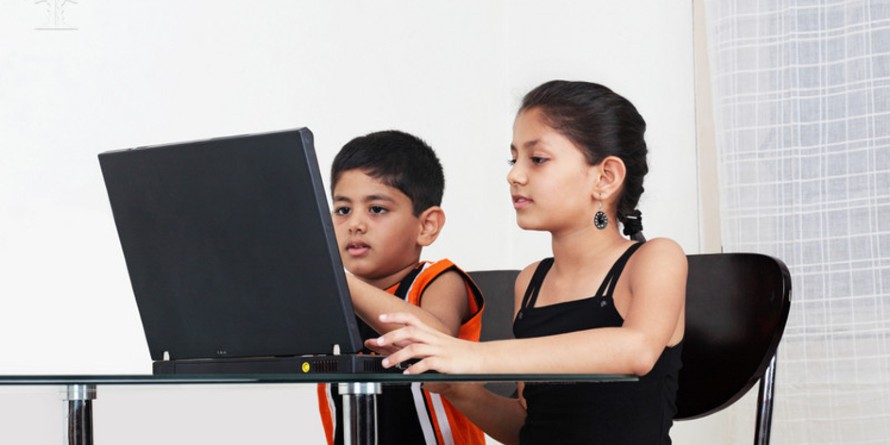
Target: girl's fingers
401,318
372,345
403,336
426,357
414,340
418,368
404,354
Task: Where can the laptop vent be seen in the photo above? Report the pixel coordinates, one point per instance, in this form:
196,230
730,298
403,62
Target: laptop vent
326,366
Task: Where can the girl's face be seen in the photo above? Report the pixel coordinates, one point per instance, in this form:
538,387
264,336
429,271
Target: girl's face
551,182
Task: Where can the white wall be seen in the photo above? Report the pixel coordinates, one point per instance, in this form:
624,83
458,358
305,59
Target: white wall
139,73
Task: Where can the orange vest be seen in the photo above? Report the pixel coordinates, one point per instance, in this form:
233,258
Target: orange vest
439,422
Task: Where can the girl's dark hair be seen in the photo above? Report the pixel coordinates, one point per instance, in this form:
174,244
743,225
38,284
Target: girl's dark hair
602,123
400,160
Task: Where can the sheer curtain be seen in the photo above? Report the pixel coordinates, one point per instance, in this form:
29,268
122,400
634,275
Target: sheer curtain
801,93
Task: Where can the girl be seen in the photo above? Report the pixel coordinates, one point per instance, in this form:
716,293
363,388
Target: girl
603,304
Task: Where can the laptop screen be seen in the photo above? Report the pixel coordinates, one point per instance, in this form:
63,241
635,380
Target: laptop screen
230,248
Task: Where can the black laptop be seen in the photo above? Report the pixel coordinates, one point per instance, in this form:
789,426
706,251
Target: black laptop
232,256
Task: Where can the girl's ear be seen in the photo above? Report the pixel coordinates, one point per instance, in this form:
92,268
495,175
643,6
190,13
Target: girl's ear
611,177
431,222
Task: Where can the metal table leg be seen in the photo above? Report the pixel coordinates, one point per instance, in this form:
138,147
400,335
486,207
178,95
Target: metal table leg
359,412
80,414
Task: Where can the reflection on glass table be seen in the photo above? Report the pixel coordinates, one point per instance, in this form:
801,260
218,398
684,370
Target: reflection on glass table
359,392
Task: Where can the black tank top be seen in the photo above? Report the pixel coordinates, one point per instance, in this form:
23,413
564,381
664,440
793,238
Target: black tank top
633,413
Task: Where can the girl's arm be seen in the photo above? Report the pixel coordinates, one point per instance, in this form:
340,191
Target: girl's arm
656,277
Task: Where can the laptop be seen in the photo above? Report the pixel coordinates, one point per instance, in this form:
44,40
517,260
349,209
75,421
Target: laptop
232,256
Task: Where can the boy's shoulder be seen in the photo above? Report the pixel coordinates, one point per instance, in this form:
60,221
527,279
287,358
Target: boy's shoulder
442,271
439,267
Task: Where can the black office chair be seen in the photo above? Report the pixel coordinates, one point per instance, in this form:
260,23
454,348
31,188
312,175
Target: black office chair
497,288
736,308
497,318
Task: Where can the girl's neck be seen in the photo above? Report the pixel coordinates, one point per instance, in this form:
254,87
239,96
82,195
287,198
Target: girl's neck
585,246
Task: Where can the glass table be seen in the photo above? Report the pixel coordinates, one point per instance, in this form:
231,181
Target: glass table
359,392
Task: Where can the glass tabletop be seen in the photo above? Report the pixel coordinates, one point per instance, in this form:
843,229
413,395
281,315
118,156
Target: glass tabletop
384,378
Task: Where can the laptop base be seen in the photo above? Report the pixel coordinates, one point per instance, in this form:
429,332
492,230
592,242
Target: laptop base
322,364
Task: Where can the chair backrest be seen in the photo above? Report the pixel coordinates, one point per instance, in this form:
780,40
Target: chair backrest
497,289
736,308
497,317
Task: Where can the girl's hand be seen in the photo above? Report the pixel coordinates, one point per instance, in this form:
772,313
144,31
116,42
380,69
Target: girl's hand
437,351
371,344
384,351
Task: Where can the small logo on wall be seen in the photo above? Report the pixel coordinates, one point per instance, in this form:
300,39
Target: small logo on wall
56,15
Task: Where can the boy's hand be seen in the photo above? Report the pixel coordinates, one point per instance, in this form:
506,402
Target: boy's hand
453,391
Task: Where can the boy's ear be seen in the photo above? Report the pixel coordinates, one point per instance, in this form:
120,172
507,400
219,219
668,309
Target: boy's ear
611,172
431,222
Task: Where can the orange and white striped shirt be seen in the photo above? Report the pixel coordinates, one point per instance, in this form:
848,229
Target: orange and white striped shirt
408,414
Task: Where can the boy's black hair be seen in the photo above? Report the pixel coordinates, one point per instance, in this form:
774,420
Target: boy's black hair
400,160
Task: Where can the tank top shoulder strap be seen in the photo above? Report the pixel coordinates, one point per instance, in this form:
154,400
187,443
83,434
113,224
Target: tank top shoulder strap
405,285
534,286
608,286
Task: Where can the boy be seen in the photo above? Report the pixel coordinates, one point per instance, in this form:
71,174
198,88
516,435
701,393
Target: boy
386,189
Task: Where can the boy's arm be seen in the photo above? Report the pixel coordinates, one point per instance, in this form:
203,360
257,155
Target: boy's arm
443,306
499,417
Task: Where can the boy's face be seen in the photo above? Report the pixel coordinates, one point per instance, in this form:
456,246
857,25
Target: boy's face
376,229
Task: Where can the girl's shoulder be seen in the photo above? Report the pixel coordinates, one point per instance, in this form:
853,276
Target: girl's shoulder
525,277
658,253
661,246
530,269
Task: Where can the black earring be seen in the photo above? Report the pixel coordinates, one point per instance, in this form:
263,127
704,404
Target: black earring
600,219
